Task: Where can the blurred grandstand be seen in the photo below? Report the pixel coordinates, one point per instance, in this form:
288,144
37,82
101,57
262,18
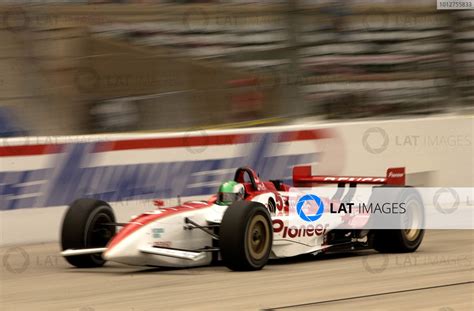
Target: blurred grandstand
88,68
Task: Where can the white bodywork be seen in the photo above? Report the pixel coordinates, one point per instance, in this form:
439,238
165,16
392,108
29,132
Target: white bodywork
169,242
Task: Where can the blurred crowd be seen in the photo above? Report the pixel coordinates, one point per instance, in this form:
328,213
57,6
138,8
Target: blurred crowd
175,65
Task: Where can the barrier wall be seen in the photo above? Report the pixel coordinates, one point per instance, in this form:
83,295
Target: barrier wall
39,176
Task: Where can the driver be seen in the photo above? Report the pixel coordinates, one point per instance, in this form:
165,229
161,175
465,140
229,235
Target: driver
229,192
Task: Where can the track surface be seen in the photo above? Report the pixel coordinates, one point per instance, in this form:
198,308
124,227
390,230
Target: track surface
437,277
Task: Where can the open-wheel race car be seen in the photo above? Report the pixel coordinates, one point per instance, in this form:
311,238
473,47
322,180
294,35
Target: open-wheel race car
244,225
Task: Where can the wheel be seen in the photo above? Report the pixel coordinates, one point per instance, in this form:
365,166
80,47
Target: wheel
401,240
83,227
246,236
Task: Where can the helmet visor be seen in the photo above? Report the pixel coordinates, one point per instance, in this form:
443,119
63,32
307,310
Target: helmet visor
227,197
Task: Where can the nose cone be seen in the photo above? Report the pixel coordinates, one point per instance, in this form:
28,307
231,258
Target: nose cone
110,254
116,253
125,252
123,248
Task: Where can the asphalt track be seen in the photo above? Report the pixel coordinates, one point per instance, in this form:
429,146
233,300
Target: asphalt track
437,277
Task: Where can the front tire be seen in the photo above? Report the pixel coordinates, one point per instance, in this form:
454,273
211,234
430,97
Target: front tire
246,236
84,227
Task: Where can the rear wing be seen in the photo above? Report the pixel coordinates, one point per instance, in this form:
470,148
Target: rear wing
302,177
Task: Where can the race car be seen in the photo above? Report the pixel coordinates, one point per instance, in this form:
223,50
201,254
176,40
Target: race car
244,225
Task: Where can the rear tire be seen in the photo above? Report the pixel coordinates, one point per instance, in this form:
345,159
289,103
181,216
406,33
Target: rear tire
401,240
82,228
246,236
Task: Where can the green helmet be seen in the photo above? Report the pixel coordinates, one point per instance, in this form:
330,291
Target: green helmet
229,192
